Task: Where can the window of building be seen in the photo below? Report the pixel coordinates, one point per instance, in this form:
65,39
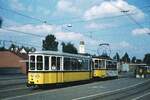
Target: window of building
32,62
39,63
46,67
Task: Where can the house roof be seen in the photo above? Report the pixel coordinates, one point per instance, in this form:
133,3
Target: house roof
11,59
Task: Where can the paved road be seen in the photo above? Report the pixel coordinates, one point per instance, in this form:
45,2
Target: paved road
87,91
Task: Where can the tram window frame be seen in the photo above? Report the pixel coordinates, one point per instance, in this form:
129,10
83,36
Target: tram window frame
32,62
46,62
40,62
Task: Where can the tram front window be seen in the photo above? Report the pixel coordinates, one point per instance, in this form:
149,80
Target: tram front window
39,62
96,63
32,62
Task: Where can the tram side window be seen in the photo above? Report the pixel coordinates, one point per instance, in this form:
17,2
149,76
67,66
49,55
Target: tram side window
32,62
39,62
73,64
46,67
79,63
66,63
53,63
58,63
86,65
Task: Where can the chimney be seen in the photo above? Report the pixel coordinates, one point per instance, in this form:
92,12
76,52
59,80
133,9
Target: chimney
82,47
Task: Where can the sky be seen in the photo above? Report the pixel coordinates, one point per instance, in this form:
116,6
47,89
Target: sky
124,24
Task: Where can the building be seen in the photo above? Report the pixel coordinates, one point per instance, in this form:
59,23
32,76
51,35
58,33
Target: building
13,62
82,47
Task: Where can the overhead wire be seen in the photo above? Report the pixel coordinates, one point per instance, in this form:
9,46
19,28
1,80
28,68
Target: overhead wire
130,17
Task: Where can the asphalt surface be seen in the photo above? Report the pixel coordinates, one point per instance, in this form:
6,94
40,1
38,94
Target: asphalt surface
125,88
73,92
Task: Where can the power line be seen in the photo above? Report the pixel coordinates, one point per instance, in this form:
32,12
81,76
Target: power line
12,30
130,17
73,21
18,13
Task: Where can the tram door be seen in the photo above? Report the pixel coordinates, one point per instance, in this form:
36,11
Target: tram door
56,66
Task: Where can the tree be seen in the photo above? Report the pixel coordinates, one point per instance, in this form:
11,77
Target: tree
69,48
133,59
50,43
12,47
3,49
147,58
116,57
126,58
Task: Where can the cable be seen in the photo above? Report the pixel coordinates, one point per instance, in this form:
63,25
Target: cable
9,10
125,12
22,32
73,21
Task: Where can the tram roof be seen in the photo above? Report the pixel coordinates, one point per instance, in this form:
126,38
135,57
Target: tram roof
58,54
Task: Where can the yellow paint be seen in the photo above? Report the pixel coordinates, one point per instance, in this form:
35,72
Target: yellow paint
57,77
37,78
100,73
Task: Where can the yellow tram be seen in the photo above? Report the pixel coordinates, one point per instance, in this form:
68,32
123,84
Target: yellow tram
103,68
49,67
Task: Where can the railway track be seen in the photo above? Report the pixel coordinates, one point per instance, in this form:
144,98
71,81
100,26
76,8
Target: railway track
131,93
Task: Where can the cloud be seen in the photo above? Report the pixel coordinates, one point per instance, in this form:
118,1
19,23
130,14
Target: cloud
99,26
69,36
17,5
67,6
110,8
124,44
141,31
44,29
